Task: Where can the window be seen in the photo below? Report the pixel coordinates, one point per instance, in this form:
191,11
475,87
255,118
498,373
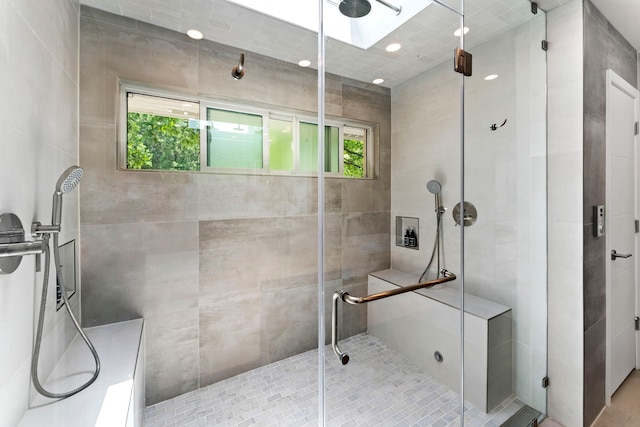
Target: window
167,133
355,152
234,140
281,145
309,148
162,133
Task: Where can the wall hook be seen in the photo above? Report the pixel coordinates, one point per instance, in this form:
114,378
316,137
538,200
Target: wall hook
496,127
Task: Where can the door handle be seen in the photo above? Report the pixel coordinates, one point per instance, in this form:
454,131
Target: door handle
615,255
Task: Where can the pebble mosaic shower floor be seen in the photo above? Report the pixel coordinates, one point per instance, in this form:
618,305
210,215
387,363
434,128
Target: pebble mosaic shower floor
377,388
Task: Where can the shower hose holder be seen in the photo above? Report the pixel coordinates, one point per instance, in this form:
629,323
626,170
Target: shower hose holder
13,246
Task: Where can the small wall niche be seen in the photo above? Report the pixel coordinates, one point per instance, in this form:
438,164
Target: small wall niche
68,267
407,232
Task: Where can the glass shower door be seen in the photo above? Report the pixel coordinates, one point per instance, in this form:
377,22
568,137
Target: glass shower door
477,210
395,355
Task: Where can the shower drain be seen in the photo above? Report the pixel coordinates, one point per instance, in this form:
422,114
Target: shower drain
525,417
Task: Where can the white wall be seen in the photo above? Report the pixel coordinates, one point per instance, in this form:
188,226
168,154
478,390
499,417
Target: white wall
39,128
565,160
505,170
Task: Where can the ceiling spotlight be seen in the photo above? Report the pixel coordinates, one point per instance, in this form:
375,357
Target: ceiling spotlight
491,77
393,47
304,63
456,33
378,81
195,34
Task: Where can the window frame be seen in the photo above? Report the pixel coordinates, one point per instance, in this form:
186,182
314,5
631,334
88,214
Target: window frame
267,113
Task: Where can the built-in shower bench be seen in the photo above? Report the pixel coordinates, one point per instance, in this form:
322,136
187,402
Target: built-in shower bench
115,399
424,326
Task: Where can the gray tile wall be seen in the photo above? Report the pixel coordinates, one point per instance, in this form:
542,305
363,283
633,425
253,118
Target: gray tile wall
222,267
604,48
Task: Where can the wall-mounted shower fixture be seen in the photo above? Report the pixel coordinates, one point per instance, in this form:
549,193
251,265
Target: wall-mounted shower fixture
13,246
360,8
69,180
238,71
469,214
437,253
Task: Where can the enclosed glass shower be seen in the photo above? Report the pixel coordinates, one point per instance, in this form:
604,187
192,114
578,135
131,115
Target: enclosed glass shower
315,190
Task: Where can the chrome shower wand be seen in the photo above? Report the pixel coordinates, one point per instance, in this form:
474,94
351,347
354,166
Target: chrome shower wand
238,71
437,254
69,180
435,188
66,183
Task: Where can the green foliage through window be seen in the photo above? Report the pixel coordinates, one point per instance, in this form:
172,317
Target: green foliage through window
354,161
160,142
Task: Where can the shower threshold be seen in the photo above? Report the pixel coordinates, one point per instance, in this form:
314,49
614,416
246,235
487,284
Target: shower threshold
378,387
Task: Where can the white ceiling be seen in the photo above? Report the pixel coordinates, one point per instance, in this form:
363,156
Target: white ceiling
427,39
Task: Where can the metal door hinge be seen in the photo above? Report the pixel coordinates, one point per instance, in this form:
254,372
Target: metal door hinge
462,61
637,319
636,128
545,382
534,8
637,225
545,45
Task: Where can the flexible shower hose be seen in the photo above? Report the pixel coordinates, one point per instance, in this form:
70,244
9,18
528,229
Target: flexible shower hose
43,302
436,248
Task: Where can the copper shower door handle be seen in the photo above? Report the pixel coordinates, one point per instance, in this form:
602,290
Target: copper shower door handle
344,296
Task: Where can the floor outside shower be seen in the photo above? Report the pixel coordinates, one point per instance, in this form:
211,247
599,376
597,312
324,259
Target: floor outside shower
378,387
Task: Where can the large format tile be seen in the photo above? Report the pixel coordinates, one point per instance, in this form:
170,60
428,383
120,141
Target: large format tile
171,355
123,267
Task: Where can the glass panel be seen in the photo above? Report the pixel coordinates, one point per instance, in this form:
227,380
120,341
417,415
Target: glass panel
281,149
234,140
160,134
505,179
309,148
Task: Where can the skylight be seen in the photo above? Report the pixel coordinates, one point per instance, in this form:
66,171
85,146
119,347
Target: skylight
360,32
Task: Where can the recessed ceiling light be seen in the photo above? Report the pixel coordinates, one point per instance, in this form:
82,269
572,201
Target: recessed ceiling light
195,34
491,77
378,81
457,32
304,63
393,47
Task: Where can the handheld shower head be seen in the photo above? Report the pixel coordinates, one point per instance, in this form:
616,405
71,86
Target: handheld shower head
434,187
66,183
69,179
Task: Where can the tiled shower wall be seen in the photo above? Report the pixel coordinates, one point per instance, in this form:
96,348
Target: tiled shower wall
604,48
39,127
505,170
222,267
